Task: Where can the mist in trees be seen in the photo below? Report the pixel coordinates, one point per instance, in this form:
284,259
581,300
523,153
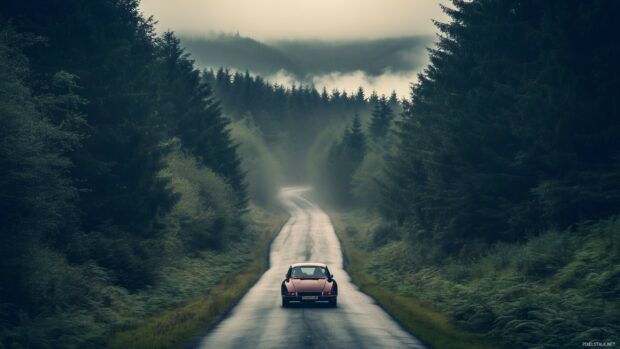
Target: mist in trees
115,159
289,119
382,116
195,116
344,157
119,157
305,59
501,174
505,138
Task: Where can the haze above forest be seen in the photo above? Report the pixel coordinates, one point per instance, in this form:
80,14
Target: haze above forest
285,19
340,45
381,64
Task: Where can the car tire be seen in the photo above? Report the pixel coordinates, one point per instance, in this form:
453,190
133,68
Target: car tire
333,302
285,303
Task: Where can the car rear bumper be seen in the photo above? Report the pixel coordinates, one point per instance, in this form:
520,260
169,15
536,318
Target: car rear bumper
309,299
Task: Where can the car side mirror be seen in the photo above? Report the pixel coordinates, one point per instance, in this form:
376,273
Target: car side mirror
331,276
287,277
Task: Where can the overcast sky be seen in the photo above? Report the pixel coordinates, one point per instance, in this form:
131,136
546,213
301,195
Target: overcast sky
297,19
324,20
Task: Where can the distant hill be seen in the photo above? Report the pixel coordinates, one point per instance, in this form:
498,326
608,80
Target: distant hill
238,53
309,58
372,56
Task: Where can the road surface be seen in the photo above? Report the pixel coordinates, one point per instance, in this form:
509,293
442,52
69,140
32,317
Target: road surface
259,321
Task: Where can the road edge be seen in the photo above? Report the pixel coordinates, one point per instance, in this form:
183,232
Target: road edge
432,328
195,342
186,325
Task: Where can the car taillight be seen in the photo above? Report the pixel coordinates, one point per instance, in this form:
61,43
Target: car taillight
291,293
327,293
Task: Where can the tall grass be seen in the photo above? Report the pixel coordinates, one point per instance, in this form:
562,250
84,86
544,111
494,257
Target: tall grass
556,290
173,328
264,172
207,256
431,326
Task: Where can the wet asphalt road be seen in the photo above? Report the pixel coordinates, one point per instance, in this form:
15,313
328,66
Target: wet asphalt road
259,321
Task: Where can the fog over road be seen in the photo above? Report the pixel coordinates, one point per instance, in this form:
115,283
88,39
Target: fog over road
259,321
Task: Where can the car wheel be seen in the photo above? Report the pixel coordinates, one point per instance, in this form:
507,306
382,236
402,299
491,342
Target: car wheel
333,302
285,303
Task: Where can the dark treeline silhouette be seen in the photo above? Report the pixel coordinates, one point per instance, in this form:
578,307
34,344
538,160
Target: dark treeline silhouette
94,107
497,183
305,59
511,131
196,115
498,186
289,118
343,159
275,108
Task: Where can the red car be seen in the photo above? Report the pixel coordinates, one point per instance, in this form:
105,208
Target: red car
309,283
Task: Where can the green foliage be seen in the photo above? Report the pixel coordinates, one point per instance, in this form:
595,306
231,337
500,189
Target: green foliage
436,329
109,47
290,119
554,291
368,178
192,113
365,182
76,305
104,218
36,197
382,116
205,215
240,268
498,191
343,159
263,171
505,138
317,164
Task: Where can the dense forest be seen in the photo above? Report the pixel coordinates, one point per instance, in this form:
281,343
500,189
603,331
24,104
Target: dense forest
305,59
494,188
497,181
313,135
289,118
117,165
497,190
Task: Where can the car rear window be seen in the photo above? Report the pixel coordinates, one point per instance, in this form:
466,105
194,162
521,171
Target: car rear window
309,271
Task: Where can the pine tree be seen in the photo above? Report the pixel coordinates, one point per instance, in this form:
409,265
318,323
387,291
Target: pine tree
196,117
343,160
360,98
374,98
393,101
382,116
37,195
496,137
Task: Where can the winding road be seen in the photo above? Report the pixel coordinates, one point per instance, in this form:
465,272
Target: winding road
259,321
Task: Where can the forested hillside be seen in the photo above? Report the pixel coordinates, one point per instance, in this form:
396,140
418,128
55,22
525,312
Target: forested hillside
131,182
122,193
498,192
305,59
308,131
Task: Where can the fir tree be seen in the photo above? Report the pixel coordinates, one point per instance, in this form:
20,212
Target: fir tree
196,117
382,116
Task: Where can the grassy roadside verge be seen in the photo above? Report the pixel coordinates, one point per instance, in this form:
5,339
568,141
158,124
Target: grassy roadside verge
173,328
432,327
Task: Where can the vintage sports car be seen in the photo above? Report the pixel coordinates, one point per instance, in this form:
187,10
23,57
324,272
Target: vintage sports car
309,283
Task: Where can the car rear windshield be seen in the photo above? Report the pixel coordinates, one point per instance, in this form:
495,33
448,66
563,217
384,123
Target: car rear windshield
308,272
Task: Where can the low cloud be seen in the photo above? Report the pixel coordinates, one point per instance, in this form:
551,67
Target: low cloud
383,65
383,84
283,78
288,19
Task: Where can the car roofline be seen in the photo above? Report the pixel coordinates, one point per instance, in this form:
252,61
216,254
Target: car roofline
308,264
